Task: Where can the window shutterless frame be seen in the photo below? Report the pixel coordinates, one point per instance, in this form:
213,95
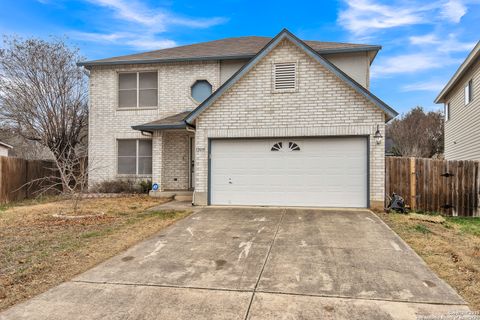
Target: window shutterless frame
468,92
137,157
138,90
447,111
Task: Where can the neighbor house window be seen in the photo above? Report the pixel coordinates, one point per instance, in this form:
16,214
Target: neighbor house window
285,76
134,157
137,89
201,90
468,92
447,111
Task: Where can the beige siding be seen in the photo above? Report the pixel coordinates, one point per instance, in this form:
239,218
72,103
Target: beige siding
229,67
356,65
323,105
462,131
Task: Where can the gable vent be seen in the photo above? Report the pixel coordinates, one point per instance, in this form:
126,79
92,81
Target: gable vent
285,76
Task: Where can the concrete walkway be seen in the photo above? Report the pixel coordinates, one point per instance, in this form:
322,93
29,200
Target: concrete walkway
256,263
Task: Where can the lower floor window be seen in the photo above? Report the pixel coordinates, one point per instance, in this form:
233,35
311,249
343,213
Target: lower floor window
134,156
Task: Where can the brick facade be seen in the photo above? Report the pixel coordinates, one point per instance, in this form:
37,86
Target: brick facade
322,105
107,123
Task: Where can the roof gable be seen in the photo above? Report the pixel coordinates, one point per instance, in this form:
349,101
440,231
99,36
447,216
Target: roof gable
285,34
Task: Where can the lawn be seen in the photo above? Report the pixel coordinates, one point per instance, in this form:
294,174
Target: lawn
451,248
40,248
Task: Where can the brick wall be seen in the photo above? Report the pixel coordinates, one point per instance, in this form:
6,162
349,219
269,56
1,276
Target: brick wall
323,105
107,123
176,159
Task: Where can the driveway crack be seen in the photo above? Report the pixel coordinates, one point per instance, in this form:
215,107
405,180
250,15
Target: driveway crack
265,262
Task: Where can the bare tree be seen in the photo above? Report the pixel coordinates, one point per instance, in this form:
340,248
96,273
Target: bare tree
23,148
417,134
43,98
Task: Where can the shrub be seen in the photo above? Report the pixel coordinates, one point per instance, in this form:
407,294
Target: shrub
122,186
145,186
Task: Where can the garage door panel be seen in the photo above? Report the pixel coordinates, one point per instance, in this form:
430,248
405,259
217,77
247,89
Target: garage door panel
325,172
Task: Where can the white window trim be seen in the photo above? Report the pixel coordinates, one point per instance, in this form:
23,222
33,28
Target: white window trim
138,91
290,90
136,174
447,111
467,92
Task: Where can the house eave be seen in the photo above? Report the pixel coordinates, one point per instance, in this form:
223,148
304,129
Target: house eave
150,128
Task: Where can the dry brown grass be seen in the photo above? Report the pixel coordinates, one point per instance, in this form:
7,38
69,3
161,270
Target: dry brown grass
39,251
451,249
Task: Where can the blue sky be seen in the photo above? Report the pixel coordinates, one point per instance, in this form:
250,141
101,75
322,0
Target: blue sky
423,41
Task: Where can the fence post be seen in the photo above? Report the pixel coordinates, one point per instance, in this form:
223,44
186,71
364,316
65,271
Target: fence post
413,185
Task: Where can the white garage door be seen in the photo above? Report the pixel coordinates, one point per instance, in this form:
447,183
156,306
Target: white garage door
325,172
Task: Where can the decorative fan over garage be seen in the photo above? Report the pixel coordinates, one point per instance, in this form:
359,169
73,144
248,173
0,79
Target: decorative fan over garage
292,146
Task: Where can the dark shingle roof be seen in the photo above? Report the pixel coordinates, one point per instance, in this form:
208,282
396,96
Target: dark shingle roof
176,121
229,48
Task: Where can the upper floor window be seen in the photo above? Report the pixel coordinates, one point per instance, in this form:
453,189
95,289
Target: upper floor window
134,157
285,76
201,90
468,92
447,111
137,89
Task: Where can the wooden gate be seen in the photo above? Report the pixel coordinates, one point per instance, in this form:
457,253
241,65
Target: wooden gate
448,187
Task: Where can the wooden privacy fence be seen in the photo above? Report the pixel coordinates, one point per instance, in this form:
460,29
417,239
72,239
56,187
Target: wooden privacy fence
448,187
15,173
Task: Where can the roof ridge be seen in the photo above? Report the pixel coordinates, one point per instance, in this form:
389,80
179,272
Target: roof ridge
236,47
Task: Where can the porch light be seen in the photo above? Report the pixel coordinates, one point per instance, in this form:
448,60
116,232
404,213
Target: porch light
378,136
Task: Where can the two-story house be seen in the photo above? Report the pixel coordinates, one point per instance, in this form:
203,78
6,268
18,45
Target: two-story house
461,101
243,121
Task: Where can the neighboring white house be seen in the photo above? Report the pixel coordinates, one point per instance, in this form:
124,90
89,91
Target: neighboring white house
461,99
4,148
243,121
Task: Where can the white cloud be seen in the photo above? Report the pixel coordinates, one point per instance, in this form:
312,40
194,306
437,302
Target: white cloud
453,10
435,86
410,63
154,18
135,24
151,44
446,44
133,40
364,16
424,39
414,52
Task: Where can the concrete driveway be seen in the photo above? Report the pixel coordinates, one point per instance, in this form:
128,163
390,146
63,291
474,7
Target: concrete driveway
256,263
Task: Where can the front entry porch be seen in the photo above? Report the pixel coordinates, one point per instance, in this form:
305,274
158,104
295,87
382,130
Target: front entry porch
172,163
173,157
